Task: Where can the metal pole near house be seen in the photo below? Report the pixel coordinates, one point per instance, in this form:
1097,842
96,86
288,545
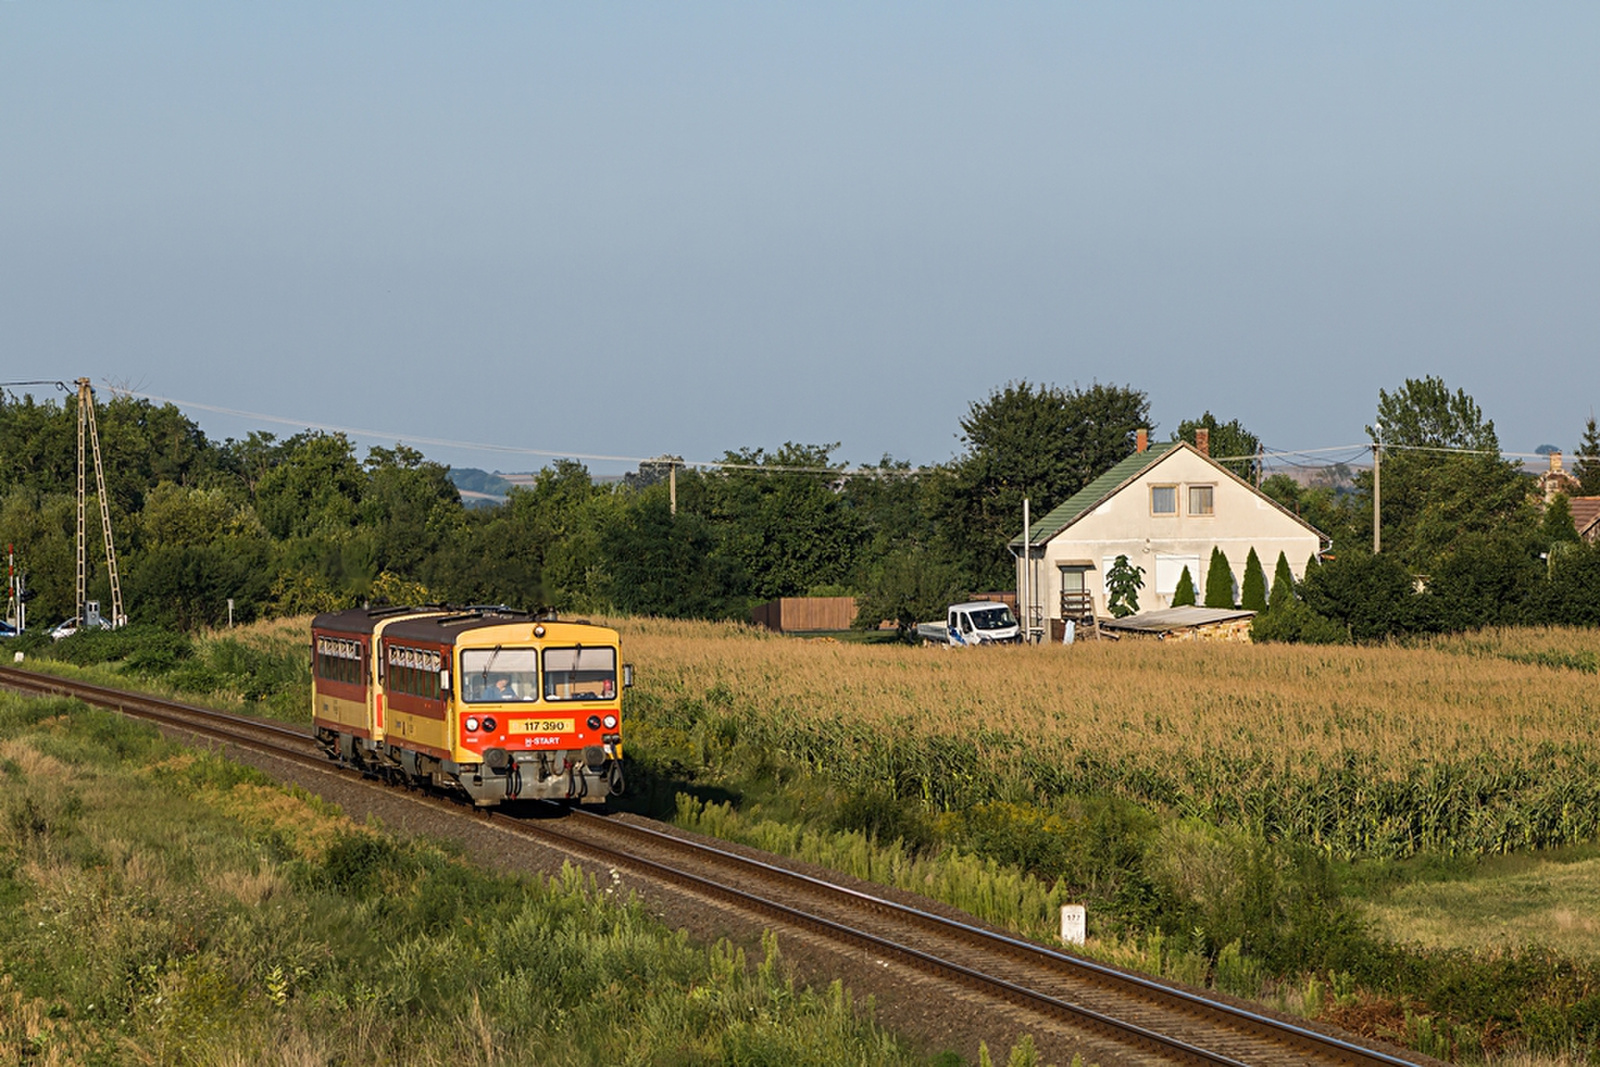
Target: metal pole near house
1027,578
1377,513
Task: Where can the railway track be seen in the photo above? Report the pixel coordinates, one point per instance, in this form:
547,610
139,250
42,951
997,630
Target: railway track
1117,1016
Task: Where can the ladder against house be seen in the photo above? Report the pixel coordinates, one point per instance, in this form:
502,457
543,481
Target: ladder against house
1077,607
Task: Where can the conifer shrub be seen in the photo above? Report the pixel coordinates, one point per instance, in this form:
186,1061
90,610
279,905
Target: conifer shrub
1282,584
1253,594
1183,596
1219,580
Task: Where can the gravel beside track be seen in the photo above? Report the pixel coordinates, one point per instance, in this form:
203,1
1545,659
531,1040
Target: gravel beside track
936,975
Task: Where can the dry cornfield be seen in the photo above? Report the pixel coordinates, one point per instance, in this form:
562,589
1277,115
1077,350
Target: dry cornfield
1480,743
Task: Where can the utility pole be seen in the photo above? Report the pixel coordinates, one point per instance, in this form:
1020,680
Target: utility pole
87,427
1377,512
1026,585
672,485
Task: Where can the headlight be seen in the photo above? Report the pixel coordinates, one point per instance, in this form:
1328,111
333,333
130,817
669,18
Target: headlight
472,724
488,722
611,722
593,722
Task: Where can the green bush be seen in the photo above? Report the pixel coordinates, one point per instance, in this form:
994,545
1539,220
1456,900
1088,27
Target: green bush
885,818
140,642
1373,596
1293,622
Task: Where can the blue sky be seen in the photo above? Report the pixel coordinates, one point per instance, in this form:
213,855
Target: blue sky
630,229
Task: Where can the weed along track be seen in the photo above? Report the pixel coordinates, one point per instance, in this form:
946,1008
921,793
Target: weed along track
1066,1002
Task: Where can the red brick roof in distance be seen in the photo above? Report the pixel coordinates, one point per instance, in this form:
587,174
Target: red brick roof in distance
1585,513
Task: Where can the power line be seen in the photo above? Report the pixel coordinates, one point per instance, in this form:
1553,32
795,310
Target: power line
1351,451
479,446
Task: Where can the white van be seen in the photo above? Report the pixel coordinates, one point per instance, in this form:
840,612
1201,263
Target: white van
976,622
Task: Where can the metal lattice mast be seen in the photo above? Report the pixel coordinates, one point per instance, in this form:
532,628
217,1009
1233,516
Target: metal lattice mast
86,403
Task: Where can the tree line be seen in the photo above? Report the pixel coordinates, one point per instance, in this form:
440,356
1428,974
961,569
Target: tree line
303,524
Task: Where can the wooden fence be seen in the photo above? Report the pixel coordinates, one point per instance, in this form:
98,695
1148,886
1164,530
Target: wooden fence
800,614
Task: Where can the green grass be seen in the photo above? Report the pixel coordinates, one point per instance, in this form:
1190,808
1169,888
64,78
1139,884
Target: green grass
1550,899
163,905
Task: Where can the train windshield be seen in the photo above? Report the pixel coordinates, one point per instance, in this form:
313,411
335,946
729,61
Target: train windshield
499,675
997,618
580,673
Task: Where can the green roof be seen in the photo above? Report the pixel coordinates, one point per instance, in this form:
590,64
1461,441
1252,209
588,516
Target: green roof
1092,495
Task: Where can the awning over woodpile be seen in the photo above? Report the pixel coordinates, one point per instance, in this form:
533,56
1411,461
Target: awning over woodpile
1170,620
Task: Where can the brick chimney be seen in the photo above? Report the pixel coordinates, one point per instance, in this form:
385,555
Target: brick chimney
1142,440
1555,463
1202,440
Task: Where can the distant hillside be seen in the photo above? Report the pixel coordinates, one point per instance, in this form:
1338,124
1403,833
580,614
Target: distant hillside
473,480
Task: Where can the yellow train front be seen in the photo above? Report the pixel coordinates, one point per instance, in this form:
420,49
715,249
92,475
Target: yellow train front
496,704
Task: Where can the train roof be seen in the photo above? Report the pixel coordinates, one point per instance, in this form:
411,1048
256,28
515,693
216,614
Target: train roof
360,620
433,623
448,628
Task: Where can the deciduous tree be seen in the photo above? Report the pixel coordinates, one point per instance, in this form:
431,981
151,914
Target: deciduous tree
1230,443
1442,473
1123,582
909,586
781,524
1039,442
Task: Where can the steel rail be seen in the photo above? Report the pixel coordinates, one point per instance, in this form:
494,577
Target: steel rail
295,744
1029,951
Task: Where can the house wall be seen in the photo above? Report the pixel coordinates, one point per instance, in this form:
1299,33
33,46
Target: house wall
1241,519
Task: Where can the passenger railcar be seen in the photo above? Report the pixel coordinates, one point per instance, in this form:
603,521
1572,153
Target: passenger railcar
496,704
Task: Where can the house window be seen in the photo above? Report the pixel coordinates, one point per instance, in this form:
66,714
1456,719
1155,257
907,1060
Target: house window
1201,499
1163,500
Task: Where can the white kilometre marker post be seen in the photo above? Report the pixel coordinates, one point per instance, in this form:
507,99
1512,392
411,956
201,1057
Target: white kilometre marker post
1074,924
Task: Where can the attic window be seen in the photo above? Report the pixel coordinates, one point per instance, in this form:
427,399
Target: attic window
1201,499
1163,500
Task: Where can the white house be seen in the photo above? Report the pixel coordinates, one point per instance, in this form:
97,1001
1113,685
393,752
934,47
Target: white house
1165,508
